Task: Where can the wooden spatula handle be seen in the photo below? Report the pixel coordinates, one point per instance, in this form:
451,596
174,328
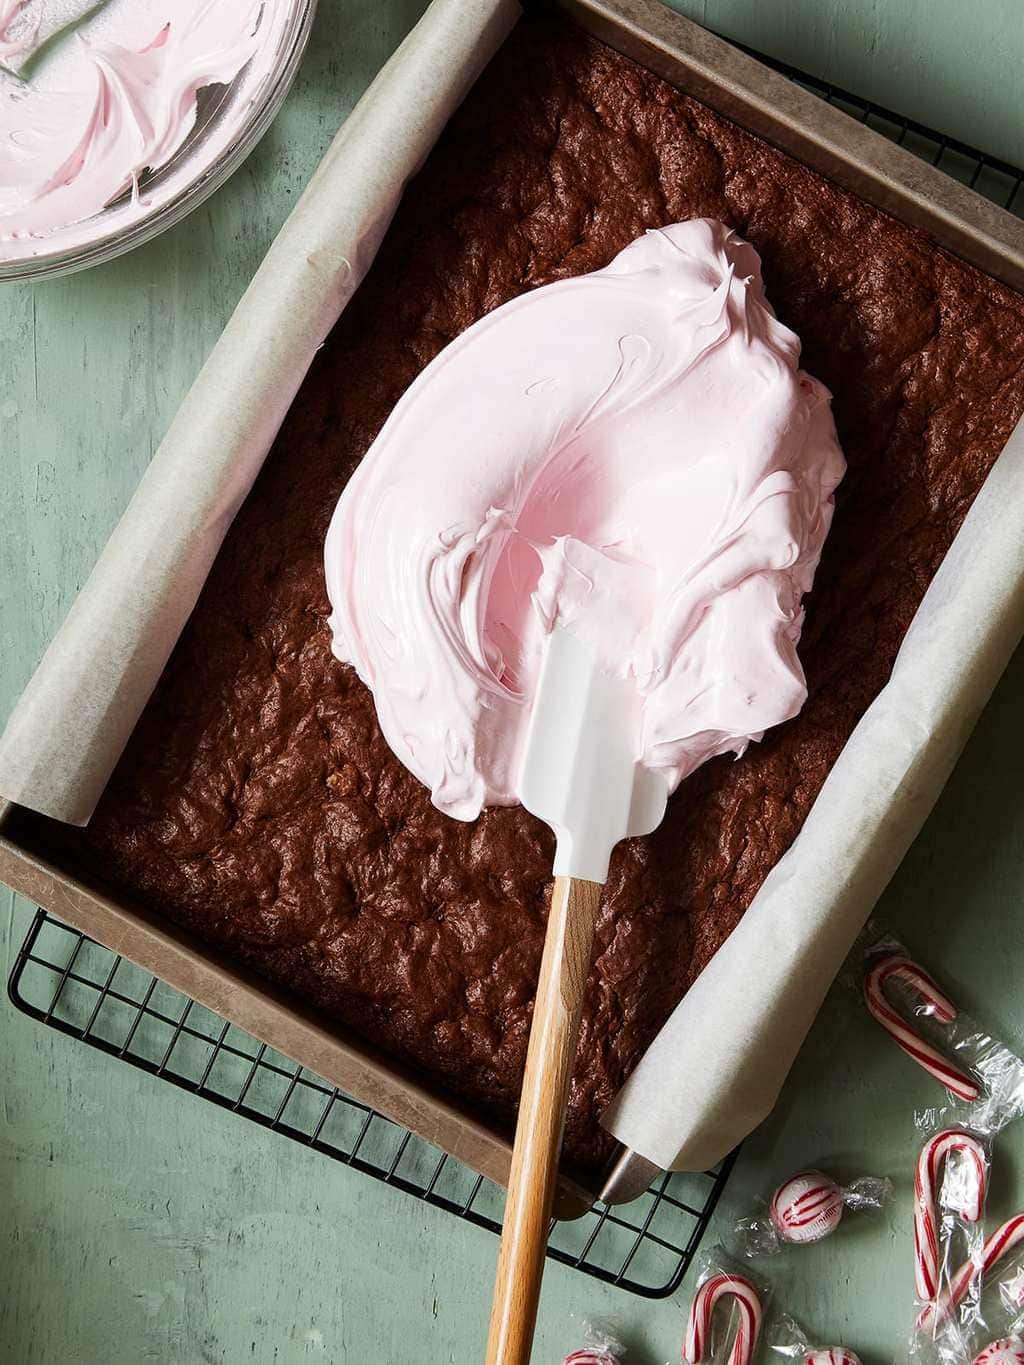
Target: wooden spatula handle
554,1033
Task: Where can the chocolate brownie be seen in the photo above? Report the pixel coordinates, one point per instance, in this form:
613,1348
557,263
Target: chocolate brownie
257,802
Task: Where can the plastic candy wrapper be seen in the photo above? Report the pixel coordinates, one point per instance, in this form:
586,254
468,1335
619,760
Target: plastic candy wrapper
736,1337
727,1314
785,1337
983,1078
977,1314
1009,1317
950,1186
951,1179
978,1319
804,1209
599,1347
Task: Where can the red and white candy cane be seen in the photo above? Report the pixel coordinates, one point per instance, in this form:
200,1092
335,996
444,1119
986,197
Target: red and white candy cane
894,966
1007,1351
930,1165
698,1331
832,1355
589,1356
998,1245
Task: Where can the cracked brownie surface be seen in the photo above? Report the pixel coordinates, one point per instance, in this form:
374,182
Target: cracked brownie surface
257,802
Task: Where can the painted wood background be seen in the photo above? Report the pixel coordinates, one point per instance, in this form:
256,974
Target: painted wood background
140,1225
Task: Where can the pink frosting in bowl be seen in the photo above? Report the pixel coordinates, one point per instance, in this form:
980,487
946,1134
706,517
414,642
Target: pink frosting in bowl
634,453
116,120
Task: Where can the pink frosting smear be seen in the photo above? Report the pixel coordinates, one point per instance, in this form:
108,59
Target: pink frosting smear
634,454
105,101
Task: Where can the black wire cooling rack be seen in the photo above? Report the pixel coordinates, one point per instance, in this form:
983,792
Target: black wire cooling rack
990,176
75,985
72,984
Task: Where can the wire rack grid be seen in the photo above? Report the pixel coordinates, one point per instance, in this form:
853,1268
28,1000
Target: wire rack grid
74,985
69,983
990,176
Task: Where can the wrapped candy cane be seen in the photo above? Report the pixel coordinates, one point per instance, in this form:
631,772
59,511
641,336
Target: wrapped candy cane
967,1199
991,1311
1006,1351
718,1288
1001,1314
998,1245
804,1209
895,966
983,1078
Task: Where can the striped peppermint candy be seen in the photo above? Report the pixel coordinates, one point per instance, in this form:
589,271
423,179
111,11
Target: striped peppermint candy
1007,1351
896,966
807,1207
698,1331
970,1204
1000,1244
589,1356
832,1355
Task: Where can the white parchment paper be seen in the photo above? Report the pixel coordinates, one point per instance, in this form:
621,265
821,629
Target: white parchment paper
714,1071
72,722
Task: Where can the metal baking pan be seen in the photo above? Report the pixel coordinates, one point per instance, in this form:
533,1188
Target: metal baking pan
811,131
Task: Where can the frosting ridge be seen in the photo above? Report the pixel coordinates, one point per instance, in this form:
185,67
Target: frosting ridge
634,453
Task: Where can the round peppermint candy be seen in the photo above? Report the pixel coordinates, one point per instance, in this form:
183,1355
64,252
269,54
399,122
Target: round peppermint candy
807,1207
832,1355
1008,1351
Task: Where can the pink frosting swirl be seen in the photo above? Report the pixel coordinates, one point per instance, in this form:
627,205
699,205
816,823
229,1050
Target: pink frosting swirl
634,453
117,99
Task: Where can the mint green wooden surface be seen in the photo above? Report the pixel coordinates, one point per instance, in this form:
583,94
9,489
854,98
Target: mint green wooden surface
137,1224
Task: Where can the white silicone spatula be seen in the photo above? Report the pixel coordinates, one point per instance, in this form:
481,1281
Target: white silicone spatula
580,776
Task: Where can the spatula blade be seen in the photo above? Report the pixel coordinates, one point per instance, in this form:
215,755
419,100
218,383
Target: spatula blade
579,772
647,808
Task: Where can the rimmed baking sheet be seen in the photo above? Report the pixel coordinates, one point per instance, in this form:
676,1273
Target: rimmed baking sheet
800,124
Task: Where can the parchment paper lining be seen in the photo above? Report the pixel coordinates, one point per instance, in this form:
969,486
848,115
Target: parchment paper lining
715,1069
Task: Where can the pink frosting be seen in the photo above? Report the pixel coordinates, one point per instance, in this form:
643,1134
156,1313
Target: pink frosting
633,453
111,101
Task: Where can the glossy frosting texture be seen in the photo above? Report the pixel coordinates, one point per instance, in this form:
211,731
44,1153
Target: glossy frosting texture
115,99
634,453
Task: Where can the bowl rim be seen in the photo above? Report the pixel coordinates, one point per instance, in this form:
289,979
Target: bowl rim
196,190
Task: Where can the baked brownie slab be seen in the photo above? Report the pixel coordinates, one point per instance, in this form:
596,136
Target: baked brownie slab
257,803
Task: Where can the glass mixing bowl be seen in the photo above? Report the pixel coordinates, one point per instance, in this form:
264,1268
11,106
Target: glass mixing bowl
230,120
